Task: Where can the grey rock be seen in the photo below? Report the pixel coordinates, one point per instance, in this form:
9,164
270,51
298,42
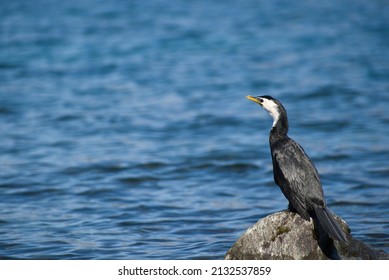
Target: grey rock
286,236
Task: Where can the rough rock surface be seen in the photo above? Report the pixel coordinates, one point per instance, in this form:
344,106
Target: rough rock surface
286,236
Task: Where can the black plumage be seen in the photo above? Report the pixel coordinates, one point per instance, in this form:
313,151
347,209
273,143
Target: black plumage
295,173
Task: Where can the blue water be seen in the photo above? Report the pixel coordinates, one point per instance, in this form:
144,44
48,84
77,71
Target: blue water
126,134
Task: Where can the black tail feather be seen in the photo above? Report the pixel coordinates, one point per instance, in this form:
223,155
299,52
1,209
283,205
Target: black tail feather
329,224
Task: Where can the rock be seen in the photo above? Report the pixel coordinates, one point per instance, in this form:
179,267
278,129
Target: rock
287,236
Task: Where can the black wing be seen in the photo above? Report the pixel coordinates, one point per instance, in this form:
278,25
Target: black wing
297,177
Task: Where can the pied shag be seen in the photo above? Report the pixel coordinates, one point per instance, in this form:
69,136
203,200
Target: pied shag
295,173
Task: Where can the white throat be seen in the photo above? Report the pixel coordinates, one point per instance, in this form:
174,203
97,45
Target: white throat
272,108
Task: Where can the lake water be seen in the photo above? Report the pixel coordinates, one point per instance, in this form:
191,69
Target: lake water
126,134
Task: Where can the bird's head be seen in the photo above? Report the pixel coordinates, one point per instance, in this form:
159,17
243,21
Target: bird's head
271,105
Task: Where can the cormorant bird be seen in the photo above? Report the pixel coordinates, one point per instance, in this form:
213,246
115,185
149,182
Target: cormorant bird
296,175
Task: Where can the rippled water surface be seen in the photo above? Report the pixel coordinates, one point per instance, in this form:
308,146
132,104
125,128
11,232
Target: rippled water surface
126,134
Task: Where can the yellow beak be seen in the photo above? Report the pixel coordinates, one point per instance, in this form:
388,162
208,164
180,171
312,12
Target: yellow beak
252,98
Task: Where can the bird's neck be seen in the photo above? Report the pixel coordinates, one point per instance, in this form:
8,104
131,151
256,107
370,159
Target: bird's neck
279,129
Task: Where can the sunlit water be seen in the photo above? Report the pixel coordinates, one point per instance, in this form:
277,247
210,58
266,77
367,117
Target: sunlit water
126,134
